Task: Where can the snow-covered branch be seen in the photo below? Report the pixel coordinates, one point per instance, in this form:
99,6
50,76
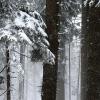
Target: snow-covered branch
29,28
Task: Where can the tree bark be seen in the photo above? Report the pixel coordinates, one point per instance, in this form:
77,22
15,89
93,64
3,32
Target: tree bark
50,71
90,68
8,73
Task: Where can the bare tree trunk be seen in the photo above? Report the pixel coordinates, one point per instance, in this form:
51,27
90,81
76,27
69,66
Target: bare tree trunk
90,69
60,93
50,71
8,73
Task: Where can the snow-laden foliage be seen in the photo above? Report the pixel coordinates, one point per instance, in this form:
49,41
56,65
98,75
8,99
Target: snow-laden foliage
71,7
92,3
28,28
68,20
77,21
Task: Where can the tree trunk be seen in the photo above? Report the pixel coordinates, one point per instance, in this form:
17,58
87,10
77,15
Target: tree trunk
50,71
60,93
8,74
90,69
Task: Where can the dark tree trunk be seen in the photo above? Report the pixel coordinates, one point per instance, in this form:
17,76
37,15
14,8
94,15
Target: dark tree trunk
90,71
50,71
8,74
4,11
